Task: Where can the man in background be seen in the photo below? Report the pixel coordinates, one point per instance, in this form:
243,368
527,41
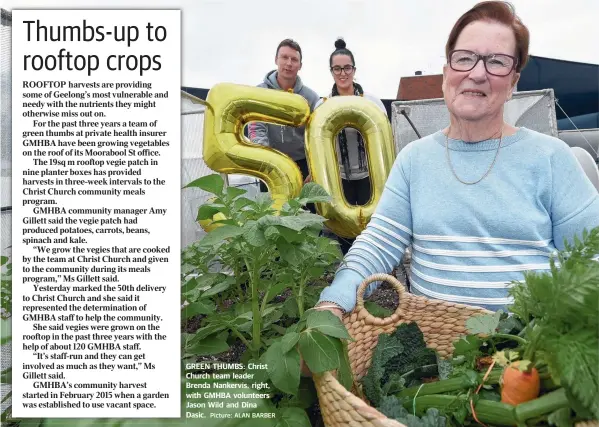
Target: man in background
287,139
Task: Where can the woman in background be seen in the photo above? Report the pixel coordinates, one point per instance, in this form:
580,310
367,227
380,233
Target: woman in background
350,144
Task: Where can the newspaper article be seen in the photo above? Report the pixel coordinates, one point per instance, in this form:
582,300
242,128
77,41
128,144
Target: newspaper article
96,178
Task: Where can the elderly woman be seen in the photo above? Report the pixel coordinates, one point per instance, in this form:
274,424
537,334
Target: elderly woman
480,201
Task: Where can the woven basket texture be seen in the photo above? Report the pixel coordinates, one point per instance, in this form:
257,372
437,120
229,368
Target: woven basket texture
441,323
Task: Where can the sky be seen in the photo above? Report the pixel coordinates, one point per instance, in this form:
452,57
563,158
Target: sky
235,40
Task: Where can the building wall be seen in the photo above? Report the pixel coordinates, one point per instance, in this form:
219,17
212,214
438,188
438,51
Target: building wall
420,87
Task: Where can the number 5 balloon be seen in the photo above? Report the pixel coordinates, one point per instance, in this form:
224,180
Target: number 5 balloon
227,150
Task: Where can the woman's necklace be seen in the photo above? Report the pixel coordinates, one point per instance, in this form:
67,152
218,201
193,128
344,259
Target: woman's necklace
488,170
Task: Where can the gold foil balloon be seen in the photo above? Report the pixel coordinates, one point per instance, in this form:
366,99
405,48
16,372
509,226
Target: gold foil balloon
325,123
227,150
209,224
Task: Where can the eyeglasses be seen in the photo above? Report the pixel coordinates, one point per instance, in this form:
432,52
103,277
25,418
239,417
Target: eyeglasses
496,64
337,69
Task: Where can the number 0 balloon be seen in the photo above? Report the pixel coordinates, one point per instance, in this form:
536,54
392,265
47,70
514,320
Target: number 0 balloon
325,123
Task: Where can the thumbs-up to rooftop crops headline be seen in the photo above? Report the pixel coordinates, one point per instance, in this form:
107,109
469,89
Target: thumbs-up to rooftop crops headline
65,60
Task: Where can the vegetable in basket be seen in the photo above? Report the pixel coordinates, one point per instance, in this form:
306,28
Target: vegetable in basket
537,367
520,383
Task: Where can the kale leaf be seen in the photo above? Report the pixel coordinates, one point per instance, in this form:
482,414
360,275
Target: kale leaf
386,348
398,359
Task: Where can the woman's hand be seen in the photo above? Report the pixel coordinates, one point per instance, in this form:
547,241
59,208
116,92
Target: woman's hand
308,179
337,311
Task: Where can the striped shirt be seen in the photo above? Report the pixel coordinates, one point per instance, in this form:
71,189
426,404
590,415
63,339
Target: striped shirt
470,242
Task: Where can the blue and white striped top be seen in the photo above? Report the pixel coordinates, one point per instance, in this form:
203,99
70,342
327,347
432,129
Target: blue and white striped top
470,241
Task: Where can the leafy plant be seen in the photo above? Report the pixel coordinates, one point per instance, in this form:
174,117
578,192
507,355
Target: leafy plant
234,278
266,252
397,359
318,337
377,310
546,354
561,310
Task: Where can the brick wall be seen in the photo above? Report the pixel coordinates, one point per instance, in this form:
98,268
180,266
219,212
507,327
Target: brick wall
420,87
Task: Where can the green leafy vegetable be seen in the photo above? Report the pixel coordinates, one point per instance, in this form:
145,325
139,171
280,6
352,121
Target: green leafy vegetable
444,367
553,329
510,325
392,408
398,358
466,351
387,347
561,418
377,310
485,324
561,309
415,355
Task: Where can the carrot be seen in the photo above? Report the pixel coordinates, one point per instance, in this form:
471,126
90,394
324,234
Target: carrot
519,383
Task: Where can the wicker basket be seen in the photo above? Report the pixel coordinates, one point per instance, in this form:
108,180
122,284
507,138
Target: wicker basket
441,323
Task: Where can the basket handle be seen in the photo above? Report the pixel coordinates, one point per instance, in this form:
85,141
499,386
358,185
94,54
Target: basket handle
399,288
